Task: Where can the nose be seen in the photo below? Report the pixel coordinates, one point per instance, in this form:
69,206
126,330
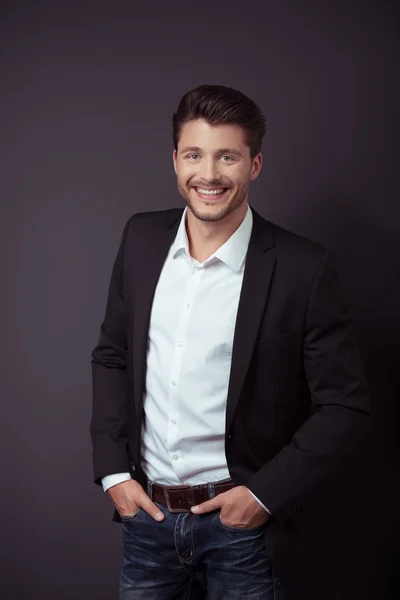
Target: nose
209,171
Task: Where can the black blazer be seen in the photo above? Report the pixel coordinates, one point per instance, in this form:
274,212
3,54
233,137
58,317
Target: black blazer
297,397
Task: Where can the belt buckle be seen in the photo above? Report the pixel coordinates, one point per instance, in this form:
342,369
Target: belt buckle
170,492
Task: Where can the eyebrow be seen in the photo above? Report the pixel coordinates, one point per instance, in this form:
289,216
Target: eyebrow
220,151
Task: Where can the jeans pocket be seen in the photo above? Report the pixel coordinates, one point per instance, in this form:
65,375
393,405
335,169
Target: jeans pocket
240,529
131,517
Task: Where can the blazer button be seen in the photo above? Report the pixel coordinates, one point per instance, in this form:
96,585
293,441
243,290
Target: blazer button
133,466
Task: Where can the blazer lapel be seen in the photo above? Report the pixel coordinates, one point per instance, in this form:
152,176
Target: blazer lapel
258,272
155,256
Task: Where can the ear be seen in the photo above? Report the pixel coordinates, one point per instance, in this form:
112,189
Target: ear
256,166
174,161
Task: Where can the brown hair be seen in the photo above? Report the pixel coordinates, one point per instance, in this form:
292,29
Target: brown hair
220,105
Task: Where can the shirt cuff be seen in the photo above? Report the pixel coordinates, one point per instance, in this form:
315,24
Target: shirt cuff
259,502
110,480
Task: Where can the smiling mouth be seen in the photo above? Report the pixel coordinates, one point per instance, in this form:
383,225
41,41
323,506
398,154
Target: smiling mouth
210,192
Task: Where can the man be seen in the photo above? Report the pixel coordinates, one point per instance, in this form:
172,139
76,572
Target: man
226,381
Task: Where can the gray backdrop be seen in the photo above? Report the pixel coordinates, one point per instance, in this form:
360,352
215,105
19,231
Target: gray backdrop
87,93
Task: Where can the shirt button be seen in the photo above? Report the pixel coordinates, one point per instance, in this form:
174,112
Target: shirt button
173,382
173,421
187,305
180,343
175,457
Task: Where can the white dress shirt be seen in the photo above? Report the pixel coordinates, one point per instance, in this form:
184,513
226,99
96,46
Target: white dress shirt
190,340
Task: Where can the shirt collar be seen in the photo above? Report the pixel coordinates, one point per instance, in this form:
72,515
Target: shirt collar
232,253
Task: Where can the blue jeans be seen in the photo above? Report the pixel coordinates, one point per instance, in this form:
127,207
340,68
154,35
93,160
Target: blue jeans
167,560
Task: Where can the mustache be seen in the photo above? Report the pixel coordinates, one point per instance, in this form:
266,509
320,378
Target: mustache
214,184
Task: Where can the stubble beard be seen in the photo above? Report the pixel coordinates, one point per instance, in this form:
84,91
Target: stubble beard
214,215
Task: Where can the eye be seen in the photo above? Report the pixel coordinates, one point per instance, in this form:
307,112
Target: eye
192,155
225,156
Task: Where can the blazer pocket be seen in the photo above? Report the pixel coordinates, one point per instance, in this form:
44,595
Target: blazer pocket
275,342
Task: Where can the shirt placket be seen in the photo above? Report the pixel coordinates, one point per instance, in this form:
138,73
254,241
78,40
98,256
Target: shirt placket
176,452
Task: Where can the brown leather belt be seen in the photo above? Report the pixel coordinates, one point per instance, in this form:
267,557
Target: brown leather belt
180,498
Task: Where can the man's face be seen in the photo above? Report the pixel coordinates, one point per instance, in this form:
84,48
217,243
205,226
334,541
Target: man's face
213,168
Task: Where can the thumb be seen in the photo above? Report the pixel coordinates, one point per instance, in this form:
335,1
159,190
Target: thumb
208,505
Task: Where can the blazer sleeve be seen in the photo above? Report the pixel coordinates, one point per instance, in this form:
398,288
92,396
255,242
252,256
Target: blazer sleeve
341,411
108,425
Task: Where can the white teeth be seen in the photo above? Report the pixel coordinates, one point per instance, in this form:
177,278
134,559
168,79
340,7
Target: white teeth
210,192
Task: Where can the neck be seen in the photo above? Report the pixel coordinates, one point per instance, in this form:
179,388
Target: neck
205,237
